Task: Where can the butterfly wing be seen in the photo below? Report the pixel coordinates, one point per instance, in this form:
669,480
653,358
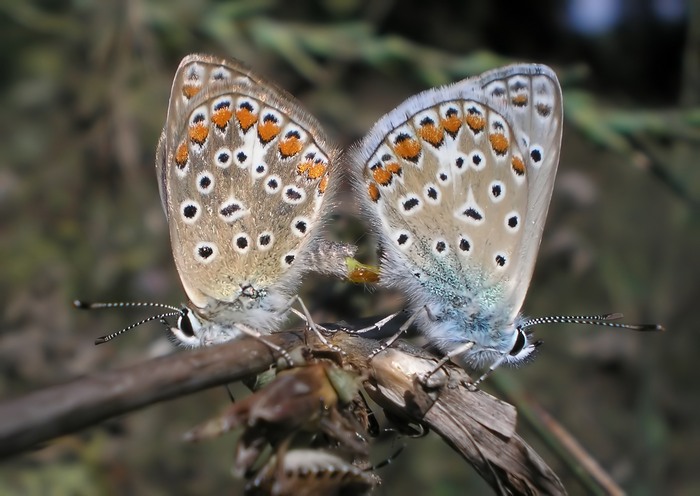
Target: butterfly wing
530,97
197,72
244,171
449,184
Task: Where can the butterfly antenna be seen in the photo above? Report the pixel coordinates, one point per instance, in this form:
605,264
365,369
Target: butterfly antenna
110,337
175,311
86,305
600,320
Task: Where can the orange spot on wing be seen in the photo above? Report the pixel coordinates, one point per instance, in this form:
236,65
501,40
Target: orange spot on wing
268,130
290,146
499,143
519,100
382,176
312,168
304,166
221,117
407,148
323,184
476,122
432,134
451,124
190,90
181,155
394,168
518,165
199,133
317,170
245,118
373,191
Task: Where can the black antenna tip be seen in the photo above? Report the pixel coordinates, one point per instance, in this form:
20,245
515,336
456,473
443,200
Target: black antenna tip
81,304
101,340
653,327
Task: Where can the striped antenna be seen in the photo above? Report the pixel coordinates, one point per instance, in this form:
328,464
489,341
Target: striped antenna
600,320
174,312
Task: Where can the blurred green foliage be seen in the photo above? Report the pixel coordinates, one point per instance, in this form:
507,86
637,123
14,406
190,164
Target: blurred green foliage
84,94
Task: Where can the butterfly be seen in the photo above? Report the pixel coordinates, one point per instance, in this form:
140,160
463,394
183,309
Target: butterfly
455,183
245,175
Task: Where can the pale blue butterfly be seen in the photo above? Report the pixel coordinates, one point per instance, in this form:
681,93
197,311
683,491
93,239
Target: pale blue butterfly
456,183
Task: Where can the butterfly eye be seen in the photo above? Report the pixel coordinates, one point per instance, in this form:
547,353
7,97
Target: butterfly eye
184,324
520,343
189,329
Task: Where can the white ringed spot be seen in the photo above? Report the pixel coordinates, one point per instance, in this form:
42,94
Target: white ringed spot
222,157
293,195
512,221
497,191
205,252
260,170
241,157
500,260
220,74
460,162
190,211
241,242
497,89
536,155
273,183
205,182
440,247
265,240
443,176
287,259
432,194
464,244
470,212
476,160
403,239
410,204
300,226
231,210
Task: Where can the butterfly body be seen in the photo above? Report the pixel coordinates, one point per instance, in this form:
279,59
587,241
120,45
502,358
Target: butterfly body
243,172
455,183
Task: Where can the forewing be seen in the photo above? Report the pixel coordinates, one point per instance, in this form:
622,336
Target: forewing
245,172
448,183
195,73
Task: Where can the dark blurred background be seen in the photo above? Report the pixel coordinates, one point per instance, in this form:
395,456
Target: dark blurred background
83,91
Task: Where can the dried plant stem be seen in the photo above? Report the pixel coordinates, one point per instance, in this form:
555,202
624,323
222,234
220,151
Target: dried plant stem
478,426
59,410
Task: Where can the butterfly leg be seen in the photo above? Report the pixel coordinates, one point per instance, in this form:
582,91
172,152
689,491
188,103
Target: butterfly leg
493,367
260,337
398,334
457,351
306,316
376,326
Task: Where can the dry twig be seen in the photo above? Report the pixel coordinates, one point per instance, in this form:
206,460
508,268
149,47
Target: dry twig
478,426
